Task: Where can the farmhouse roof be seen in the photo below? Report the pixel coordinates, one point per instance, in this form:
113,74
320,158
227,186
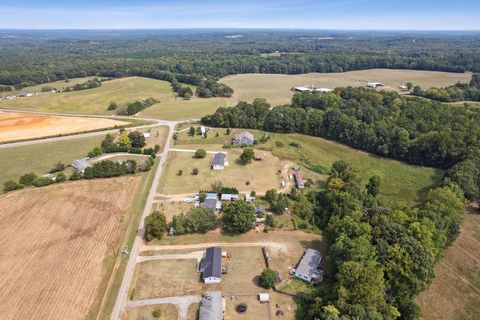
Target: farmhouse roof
218,159
229,197
211,306
244,137
210,203
211,264
81,164
211,195
309,263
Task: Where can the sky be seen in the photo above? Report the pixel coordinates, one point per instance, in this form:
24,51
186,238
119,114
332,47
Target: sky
292,14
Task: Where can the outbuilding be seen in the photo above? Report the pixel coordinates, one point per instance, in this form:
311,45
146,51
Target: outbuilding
263,297
81,164
219,161
244,138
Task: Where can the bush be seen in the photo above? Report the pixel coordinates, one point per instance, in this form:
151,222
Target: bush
27,179
137,138
60,177
267,278
195,171
156,313
155,226
295,144
179,172
11,185
200,154
112,106
270,221
76,176
42,181
247,155
279,144
59,166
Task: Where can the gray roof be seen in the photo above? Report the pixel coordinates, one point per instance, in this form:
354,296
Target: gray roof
210,203
211,306
229,197
310,262
211,264
244,137
218,159
81,164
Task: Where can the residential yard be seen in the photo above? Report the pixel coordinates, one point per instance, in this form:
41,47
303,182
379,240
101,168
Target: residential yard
171,208
40,158
255,309
258,175
167,312
122,91
61,272
276,87
193,311
455,292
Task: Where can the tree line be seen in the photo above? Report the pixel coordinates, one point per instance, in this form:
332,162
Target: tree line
458,92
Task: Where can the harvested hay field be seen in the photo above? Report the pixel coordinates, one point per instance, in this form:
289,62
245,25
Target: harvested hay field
55,242
23,126
455,292
276,87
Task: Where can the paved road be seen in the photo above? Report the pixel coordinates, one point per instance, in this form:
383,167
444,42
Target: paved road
127,277
198,255
182,302
155,123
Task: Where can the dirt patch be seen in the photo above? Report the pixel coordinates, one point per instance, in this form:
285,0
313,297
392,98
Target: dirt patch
22,126
54,243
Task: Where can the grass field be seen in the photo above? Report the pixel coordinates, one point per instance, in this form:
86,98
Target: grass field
401,182
167,312
58,274
235,174
455,291
58,85
276,87
40,158
23,126
122,91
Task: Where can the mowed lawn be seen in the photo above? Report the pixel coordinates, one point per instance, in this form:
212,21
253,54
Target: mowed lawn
167,312
122,91
401,182
276,87
40,158
455,292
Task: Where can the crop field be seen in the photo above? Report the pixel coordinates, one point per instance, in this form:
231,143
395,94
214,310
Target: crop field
276,87
455,292
23,126
122,91
58,273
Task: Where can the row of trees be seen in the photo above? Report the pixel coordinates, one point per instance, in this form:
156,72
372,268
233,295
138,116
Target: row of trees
131,142
416,130
90,84
458,92
382,257
137,106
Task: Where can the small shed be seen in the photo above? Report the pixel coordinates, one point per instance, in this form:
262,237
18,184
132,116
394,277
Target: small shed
263,297
81,164
146,135
299,180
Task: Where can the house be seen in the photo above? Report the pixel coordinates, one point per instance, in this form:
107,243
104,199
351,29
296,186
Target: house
81,164
374,84
211,265
219,161
213,204
299,180
308,267
211,306
244,138
229,197
311,88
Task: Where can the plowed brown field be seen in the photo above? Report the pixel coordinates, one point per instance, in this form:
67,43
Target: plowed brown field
21,126
54,241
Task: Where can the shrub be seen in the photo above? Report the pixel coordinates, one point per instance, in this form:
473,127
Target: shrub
27,179
137,138
42,181
59,166
267,278
179,172
247,155
11,185
112,106
156,313
195,171
279,144
200,154
60,177
76,176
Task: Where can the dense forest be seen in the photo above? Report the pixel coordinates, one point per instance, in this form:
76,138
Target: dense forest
34,57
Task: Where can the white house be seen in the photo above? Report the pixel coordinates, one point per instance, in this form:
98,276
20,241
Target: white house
219,161
374,84
308,267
